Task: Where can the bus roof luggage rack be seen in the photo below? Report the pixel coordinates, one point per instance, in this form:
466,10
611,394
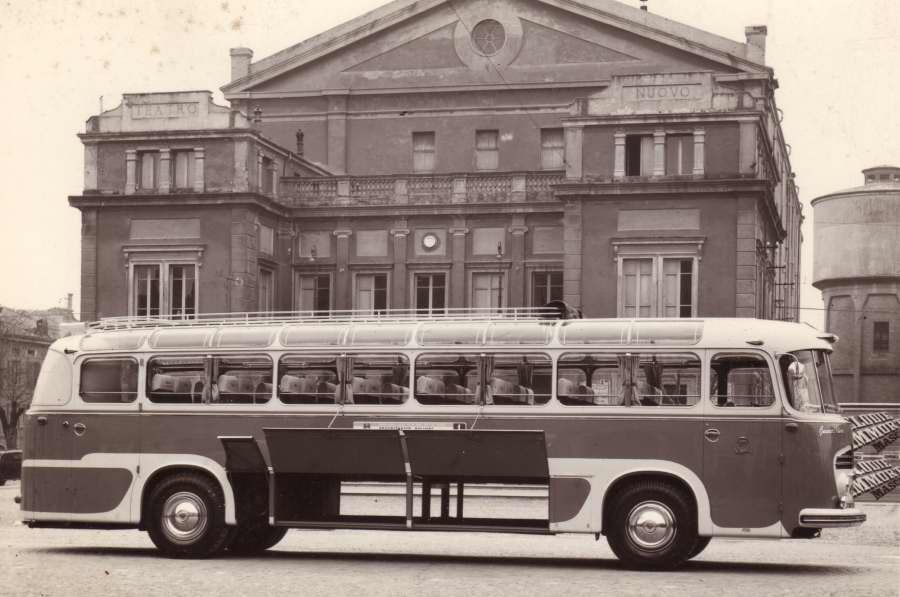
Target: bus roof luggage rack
553,310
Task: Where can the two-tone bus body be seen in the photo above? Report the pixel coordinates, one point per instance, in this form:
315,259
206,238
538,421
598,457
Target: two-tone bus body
658,434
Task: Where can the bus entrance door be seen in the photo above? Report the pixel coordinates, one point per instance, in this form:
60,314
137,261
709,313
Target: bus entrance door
742,473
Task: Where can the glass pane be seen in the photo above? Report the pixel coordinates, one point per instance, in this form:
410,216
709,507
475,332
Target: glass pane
379,379
182,285
114,341
146,290
590,380
109,380
741,380
519,333
435,334
594,332
519,379
244,337
184,169
449,379
666,332
241,380
313,334
181,338
667,379
174,380
148,170
308,379
380,334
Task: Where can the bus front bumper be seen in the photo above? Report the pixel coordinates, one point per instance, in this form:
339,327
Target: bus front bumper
821,518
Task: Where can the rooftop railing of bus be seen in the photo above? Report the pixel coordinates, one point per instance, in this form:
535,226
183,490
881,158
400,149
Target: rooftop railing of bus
337,316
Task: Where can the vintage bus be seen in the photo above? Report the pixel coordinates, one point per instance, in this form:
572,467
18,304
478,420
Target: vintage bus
222,433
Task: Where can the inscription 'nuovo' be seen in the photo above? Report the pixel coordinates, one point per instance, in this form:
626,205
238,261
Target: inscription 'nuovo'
165,110
654,92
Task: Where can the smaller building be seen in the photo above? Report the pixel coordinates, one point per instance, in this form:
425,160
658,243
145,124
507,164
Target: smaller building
857,268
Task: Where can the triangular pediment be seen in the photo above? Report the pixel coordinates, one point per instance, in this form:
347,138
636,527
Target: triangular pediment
545,45
436,44
432,50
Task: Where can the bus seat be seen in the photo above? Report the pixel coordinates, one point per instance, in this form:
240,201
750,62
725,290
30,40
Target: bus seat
228,384
291,384
183,385
162,383
429,385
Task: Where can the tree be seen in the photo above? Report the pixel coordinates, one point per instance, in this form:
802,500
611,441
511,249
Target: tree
18,375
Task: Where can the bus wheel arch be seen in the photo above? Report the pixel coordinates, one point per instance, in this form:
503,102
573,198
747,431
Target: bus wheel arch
160,474
650,520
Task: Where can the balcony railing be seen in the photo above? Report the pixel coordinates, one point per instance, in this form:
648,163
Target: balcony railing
419,189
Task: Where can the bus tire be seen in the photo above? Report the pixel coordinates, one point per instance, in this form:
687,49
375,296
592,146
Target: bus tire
255,537
699,546
653,525
187,516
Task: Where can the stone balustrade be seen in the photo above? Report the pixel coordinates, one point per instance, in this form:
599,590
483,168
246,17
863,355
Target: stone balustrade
418,189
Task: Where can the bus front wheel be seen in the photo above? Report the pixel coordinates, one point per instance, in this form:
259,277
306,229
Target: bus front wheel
652,525
187,516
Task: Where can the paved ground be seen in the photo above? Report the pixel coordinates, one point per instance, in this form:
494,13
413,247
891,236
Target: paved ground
863,561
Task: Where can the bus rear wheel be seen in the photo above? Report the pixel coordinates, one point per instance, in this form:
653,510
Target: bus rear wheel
652,525
187,516
255,537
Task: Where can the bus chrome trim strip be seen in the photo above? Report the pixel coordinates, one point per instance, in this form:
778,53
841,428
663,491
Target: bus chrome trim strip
831,517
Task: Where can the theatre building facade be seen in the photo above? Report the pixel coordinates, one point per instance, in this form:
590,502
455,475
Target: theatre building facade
433,155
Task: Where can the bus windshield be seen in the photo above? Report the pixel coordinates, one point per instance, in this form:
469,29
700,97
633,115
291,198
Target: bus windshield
808,381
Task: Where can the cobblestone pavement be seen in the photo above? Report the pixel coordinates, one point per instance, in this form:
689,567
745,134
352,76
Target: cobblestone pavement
863,561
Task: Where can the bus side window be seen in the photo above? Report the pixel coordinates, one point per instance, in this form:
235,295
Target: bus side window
243,379
667,379
588,380
740,380
519,379
308,379
177,380
447,379
380,378
109,380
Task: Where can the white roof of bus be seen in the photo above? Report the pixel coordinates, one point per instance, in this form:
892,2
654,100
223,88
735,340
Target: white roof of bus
775,336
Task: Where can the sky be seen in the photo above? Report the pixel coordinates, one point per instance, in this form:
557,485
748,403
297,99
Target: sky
837,63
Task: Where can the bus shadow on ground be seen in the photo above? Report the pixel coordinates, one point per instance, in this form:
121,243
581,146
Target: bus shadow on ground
699,566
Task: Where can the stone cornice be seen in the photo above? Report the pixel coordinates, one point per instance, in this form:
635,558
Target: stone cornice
180,200
605,187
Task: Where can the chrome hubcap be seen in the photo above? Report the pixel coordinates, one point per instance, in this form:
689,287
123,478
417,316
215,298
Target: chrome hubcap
184,517
651,526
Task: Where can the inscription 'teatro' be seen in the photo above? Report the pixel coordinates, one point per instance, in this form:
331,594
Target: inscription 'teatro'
663,92
165,110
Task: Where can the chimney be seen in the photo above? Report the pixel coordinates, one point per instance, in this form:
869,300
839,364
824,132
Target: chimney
240,62
756,43
69,302
644,5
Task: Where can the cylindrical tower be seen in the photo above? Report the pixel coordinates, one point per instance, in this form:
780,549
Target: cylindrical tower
857,268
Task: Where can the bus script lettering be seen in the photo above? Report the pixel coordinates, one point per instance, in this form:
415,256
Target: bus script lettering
408,425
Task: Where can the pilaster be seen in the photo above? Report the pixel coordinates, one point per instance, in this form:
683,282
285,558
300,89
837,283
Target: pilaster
343,282
399,294
458,267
